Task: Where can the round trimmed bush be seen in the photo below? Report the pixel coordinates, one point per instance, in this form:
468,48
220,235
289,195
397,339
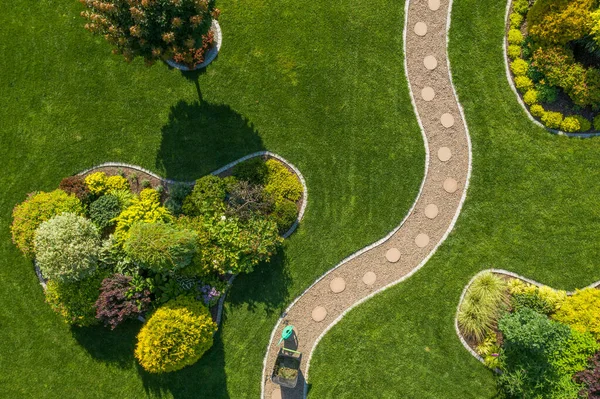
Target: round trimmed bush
175,336
104,210
570,124
519,67
96,182
552,120
119,301
38,208
76,185
514,51
117,183
584,124
516,20
537,110
285,214
523,83
597,122
67,247
530,97
515,37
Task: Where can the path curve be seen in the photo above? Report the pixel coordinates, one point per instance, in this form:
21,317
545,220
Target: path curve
429,221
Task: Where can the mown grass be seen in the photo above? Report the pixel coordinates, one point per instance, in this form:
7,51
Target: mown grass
320,83
532,208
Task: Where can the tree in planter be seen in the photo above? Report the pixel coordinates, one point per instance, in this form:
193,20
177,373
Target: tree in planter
67,247
154,29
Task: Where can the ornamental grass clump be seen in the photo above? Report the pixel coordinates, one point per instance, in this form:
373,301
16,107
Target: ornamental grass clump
154,29
175,336
482,305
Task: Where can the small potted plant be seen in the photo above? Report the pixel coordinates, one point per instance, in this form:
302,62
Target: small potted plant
287,368
184,33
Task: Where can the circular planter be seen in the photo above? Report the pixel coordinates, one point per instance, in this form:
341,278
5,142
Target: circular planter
210,54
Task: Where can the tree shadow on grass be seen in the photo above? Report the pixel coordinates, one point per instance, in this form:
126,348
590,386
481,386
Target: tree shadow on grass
268,285
110,346
204,379
201,137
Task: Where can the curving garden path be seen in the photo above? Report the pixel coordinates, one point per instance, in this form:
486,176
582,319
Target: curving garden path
429,221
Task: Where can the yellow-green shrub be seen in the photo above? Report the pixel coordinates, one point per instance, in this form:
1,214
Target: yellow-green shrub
554,298
519,67
552,120
597,122
515,37
570,124
537,110
514,51
582,311
516,20
146,208
281,183
96,182
38,208
584,124
175,336
523,83
117,183
521,6
530,97
560,21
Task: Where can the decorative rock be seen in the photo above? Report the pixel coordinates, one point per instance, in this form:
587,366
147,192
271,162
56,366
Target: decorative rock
421,28
447,120
450,185
392,255
422,240
337,285
431,211
434,5
369,278
427,93
430,62
319,313
276,394
444,154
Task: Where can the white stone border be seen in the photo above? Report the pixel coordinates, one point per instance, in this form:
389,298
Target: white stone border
424,261
221,170
210,55
516,92
506,273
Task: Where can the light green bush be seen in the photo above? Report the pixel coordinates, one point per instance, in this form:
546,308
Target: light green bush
521,6
570,124
515,37
175,336
281,183
513,51
516,20
530,97
552,120
146,208
537,110
597,122
116,183
582,311
519,67
523,83
67,247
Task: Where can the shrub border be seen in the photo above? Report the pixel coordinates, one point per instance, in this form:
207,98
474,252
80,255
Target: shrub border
212,53
514,89
504,273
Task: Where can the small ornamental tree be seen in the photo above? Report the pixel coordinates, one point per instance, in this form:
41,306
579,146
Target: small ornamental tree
175,336
67,247
38,208
119,301
160,247
154,29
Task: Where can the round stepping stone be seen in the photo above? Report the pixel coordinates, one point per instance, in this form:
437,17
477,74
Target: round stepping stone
434,5
447,120
276,394
422,240
427,93
450,185
392,255
337,285
369,278
319,313
431,211
444,154
430,62
421,28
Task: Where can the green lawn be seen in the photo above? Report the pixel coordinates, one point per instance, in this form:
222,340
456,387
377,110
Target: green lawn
532,208
320,83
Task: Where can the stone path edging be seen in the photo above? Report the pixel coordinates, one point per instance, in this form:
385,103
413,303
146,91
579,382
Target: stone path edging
221,170
516,92
433,133
506,273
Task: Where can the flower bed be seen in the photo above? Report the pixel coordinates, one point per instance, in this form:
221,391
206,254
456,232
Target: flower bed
119,243
553,53
542,342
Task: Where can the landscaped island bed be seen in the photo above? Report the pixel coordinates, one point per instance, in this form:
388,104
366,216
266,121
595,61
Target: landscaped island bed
109,246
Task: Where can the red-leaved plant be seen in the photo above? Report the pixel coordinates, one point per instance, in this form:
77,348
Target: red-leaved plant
118,301
590,378
154,29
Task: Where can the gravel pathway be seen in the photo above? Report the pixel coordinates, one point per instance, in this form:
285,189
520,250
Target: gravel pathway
427,224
